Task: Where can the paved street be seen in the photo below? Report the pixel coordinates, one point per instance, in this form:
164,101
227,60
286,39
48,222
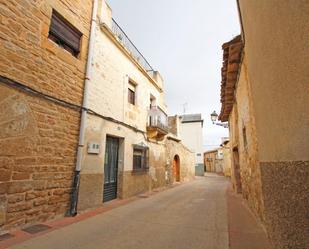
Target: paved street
190,216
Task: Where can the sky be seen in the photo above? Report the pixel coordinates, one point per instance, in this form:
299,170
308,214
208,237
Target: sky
182,40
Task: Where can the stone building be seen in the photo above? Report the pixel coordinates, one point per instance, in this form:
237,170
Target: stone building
213,161
225,146
264,95
82,113
129,149
189,127
40,67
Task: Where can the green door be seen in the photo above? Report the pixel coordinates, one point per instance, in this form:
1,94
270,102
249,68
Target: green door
110,169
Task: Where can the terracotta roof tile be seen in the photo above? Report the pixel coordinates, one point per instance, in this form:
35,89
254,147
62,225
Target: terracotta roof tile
231,60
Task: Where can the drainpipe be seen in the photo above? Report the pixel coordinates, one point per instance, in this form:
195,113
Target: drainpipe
241,21
74,196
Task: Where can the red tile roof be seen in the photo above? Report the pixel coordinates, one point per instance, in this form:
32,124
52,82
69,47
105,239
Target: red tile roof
229,72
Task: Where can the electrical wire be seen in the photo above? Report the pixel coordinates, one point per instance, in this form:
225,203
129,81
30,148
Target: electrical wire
20,86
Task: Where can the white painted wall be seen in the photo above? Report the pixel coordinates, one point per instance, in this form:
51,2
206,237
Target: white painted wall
108,96
191,135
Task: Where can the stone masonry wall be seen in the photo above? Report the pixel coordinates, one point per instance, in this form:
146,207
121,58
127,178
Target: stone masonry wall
248,146
186,157
38,138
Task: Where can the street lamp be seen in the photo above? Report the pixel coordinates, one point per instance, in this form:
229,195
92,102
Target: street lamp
214,117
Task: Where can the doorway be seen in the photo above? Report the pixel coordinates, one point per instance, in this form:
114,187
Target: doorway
176,168
110,169
237,170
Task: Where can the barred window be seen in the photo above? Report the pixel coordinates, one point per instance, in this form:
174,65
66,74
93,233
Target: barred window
140,158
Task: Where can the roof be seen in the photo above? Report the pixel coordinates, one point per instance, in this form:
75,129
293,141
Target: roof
212,151
224,143
232,51
188,118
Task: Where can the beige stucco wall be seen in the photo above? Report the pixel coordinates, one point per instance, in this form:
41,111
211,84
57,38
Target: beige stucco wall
277,36
112,70
227,160
186,158
108,96
191,135
276,55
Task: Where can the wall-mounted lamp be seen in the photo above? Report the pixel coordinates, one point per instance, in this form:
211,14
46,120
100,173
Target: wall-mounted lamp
214,117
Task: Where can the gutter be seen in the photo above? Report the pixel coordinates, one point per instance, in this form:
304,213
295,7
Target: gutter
76,182
241,22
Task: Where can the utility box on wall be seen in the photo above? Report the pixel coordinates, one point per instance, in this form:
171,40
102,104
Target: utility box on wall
93,148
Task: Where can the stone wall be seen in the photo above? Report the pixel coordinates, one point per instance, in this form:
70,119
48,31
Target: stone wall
277,65
227,160
186,157
38,138
247,144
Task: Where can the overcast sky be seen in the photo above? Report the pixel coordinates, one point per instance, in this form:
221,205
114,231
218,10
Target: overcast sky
182,40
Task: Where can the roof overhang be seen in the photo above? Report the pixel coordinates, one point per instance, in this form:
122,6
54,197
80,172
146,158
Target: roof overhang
232,52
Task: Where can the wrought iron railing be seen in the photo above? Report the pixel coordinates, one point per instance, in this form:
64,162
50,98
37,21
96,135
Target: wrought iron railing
157,118
129,45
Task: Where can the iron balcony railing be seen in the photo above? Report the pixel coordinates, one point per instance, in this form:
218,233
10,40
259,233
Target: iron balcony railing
129,45
157,118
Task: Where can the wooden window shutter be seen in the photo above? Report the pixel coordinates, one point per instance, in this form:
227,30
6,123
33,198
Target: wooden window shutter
65,32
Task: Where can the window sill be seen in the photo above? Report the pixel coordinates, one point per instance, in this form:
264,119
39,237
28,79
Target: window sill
139,171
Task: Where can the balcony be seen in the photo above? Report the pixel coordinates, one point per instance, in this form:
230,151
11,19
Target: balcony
157,125
129,45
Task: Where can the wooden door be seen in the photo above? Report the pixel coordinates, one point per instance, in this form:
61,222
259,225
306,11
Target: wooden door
176,168
237,170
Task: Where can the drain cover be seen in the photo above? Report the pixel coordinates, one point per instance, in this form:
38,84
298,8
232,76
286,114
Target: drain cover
6,236
36,228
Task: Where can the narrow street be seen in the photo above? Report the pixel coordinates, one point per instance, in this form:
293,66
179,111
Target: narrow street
193,215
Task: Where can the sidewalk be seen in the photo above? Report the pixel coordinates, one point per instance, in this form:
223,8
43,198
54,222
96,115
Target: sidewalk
245,232
19,236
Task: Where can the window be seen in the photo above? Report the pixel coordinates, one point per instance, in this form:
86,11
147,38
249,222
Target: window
64,34
140,158
244,136
131,93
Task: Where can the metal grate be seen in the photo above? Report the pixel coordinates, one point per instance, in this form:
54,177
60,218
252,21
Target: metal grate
110,192
36,228
6,236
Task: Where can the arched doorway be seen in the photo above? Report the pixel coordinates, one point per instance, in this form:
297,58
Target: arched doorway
176,168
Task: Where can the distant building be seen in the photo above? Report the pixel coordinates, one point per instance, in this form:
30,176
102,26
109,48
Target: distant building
189,128
213,160
226,157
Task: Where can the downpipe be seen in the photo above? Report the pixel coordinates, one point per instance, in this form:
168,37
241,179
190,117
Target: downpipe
81,141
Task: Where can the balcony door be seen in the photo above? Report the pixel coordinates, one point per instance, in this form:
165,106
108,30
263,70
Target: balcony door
110,169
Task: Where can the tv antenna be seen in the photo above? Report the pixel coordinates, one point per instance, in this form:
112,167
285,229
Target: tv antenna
185,105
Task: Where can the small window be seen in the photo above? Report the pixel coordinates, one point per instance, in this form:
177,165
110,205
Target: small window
131,93
64,34
244,136
140,158
199,154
